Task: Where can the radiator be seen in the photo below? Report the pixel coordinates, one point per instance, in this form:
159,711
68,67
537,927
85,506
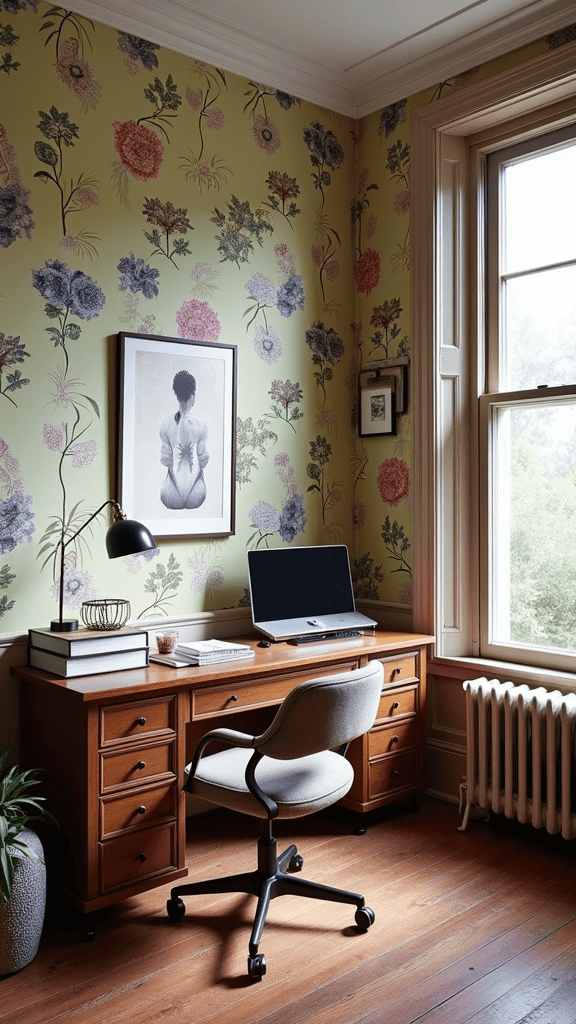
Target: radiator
520,754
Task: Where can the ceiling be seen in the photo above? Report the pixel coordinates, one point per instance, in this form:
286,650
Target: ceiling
352,56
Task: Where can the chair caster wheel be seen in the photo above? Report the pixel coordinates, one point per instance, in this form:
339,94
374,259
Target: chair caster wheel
175,909
88,935
296,863
257,966
364,917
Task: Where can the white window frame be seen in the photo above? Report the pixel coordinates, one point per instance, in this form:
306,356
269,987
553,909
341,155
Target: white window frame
450,140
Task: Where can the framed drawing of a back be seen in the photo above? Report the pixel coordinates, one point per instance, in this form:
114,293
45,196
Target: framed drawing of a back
177,434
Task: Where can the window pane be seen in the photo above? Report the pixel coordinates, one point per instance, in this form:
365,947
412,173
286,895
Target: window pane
539,330
540,204
534,540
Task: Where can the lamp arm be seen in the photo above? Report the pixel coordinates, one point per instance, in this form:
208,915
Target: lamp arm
110,501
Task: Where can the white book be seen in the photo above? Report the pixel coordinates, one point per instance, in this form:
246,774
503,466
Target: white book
60,665
208,652
80,642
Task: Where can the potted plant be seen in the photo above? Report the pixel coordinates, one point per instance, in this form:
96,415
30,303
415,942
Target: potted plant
22,868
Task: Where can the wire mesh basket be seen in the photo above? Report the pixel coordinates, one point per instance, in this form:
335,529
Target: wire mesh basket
107,613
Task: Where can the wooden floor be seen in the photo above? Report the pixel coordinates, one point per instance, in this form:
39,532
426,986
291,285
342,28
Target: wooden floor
477,926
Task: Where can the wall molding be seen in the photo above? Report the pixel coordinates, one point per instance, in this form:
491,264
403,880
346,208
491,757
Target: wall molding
355,92
228,622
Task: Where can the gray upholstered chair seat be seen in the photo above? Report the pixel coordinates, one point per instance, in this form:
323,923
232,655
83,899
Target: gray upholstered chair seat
300,786
296,767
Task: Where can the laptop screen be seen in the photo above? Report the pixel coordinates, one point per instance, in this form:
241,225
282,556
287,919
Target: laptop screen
291,583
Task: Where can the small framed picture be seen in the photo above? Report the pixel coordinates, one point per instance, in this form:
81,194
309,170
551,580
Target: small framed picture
377,408
177,434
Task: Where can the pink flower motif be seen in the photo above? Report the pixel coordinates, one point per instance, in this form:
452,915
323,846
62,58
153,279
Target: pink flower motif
367,271
86,197
197,321
371,225
140,150
334,498
215,578
266,134
195,98
402,202
215,118
54,435
333,270
83,453
316,254
393,481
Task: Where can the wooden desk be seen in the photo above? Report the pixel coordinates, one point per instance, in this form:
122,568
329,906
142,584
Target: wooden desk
112,749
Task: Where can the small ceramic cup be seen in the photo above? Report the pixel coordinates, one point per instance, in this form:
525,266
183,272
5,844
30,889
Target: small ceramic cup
166,641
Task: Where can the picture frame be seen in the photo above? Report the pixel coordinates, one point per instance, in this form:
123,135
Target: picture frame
398,368
176,465
377,408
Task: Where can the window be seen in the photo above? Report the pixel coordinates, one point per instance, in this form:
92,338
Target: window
527,441
489,354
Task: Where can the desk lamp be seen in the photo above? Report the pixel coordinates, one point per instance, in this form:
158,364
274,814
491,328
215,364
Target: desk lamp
124,537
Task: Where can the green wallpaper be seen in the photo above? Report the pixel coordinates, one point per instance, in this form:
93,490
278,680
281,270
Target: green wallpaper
144,191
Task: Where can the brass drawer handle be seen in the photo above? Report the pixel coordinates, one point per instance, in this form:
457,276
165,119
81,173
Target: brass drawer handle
395,739
395,705
396,672
233,696
141,764
395,773
141,720
141,809
142,857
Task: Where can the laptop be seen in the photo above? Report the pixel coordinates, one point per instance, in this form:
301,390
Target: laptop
304,591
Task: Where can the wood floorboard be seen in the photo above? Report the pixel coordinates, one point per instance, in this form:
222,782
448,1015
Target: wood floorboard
471,928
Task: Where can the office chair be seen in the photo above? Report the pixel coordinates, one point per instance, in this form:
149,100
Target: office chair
296,767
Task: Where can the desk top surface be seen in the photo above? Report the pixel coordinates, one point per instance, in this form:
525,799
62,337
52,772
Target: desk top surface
274,660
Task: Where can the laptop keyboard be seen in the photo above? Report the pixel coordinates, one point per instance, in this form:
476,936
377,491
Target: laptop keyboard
339,634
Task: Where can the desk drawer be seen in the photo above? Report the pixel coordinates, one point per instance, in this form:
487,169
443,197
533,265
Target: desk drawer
137,809
137,765
398,702
392,773
136,856
233,696
120,723
400,668
392,738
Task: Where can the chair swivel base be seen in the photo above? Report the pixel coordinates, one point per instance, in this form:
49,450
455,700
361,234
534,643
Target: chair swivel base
266,883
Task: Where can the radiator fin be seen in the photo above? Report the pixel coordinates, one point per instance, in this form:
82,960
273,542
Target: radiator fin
521,754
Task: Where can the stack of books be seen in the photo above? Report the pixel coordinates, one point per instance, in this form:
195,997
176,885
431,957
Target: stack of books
205,652
86,652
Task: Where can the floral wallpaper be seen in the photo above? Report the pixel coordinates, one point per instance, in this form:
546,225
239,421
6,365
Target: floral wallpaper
142,190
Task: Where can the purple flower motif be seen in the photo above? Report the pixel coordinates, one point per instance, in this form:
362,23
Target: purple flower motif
138,50
15,213
71,290
267,345
78,587
292,518
392,115
86,297
324,146
325,343
290,296
138,276
16,524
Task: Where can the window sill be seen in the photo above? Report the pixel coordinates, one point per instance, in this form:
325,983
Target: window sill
505,670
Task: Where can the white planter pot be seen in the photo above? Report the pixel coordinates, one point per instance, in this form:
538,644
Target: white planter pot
22,917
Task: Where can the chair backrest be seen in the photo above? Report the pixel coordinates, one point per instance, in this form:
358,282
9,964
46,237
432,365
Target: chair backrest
322,714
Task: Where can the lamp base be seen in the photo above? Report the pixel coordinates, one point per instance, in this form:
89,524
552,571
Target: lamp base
64,626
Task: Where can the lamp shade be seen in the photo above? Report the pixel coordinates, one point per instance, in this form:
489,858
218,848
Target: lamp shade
128,537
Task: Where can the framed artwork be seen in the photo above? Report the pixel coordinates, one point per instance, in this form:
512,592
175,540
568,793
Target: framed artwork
177,434
377,408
